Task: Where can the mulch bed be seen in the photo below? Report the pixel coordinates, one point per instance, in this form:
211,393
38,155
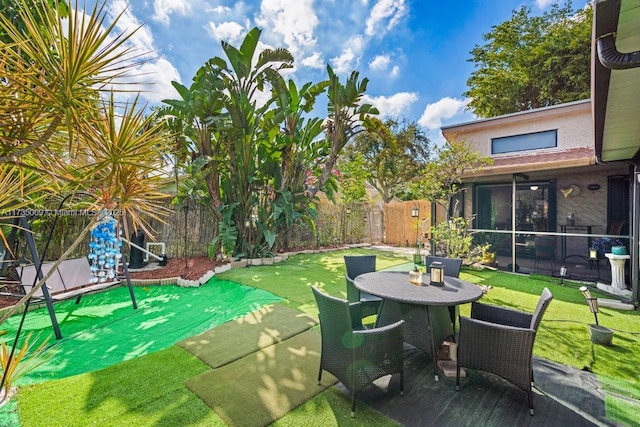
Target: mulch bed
189,269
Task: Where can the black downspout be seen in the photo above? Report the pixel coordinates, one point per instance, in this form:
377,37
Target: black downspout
610,57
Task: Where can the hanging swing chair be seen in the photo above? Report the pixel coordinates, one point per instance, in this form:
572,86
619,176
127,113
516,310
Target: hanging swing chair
74,278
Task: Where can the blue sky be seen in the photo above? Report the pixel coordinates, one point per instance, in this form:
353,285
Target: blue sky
414,52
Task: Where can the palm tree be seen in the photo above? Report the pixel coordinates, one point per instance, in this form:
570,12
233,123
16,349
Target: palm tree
58,127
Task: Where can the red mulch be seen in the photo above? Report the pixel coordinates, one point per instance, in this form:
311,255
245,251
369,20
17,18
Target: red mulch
189,269
192,269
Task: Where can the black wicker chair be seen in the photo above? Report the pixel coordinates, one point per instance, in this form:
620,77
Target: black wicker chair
356,265
353,354
452,268
500,341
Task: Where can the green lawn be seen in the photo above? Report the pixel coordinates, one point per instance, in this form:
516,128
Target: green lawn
149,390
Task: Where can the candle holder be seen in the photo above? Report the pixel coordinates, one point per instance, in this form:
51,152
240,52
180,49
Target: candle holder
415,276
436,273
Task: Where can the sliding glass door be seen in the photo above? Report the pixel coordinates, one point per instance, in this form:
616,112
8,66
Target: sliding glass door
534,211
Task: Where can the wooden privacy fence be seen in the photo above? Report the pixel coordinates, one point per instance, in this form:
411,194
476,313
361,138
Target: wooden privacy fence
189,232
404,229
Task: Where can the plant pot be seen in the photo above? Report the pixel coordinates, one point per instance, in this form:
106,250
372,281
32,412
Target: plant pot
600,334
489,258
619,250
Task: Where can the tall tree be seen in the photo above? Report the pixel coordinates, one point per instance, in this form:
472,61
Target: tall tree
441,178
532,61
231,136
391,159
264,163
348,117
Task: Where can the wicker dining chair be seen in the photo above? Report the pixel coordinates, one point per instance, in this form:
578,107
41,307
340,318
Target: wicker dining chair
354,355
355,266
452,267
500,341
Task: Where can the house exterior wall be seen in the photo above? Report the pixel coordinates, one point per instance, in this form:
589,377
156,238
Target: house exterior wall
570,164
573,122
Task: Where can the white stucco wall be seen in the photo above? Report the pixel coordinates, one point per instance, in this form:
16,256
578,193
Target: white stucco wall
572,121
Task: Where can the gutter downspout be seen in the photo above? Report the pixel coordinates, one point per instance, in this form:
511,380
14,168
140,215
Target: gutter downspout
611,58
635,239
513,223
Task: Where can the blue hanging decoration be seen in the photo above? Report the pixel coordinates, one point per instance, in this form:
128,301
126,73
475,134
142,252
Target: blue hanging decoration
104,249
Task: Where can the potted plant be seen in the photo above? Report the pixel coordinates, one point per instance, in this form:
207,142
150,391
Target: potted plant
604,245
488,255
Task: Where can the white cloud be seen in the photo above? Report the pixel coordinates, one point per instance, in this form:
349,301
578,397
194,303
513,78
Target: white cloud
385,14
395,71
164,8
445,108
158,76
380,62
542,4
313,61
392,106
142,39
220,9
350,56
151,73
230,32
295,21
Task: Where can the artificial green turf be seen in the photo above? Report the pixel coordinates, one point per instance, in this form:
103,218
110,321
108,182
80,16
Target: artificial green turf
333,408
563,337
144,391
105,329
622,411
265,385
235,339
293,279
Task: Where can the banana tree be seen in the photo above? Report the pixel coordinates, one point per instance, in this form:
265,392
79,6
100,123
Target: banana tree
294,151
348,116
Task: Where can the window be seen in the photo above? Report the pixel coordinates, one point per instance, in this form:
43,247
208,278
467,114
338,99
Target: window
529,141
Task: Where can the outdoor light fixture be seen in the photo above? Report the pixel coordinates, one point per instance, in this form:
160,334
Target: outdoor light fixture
533,188
593,254
415,212
436,273
348,211
563,273
593,302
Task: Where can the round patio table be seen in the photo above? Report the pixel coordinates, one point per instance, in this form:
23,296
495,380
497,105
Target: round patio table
424,308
